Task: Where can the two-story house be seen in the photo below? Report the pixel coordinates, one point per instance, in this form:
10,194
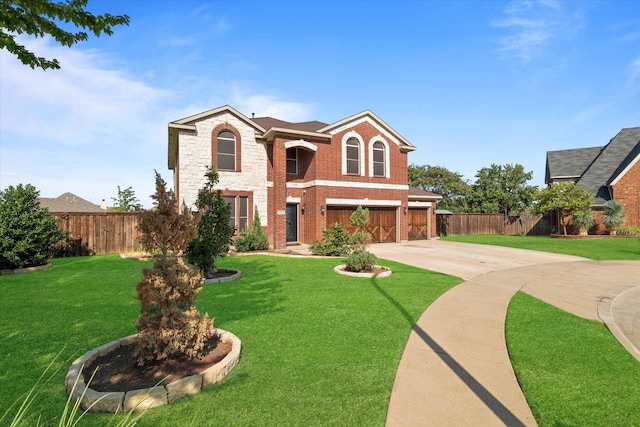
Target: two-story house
302,177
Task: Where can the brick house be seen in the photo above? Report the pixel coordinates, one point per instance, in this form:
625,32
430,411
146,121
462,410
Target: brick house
608,172
302,177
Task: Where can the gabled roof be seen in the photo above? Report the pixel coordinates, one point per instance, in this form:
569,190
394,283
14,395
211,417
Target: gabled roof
569,164
599,167
69,202
268,127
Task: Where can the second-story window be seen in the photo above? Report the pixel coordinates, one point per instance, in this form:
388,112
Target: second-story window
378,159
226,151
353,156
292,161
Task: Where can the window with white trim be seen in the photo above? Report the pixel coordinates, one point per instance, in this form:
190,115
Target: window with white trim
292,161
353,156
226,151
378,159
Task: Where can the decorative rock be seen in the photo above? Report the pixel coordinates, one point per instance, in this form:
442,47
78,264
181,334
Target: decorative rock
7,272
187,386
235,276
140,400
341,269
97,401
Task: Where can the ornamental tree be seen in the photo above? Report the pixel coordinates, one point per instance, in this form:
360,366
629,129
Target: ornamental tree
27,231
214,231
169,325
564,198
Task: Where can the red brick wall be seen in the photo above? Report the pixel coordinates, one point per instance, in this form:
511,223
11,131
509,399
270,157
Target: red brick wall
627,192
326,164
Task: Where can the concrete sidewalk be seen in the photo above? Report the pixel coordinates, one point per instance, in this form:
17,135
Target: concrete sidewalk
455,369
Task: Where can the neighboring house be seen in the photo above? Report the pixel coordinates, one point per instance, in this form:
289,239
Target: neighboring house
302,177
609,172
69,202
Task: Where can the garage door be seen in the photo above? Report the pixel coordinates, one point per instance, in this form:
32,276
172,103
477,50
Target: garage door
418,224
382,222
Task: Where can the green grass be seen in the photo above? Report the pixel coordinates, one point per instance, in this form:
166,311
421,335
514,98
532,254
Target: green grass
317,348
573,371
598,249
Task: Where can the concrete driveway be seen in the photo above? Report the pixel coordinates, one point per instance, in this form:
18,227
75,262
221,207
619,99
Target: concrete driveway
455,369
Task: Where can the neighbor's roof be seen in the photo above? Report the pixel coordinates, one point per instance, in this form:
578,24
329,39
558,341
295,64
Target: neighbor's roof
611,161
598,167
267,127
69,202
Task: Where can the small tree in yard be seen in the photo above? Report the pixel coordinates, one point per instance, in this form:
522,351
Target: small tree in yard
214,232
336,241
254,238
564,198
612,217
126,201
360,259
169,324
27,231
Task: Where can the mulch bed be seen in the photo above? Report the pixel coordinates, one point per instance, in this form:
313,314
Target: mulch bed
118,371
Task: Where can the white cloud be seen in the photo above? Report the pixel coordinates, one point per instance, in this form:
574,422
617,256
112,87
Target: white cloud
532,25
264,105
634,69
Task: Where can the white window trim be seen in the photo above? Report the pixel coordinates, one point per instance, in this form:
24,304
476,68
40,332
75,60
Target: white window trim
345,138
387,172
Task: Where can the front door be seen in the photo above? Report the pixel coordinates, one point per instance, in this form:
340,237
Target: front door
292,223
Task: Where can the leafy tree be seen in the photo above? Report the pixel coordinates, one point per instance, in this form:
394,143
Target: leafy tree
126,201
214,232
440,180
564,198
163,228
502,189
169,325
43,17
27,231
612,217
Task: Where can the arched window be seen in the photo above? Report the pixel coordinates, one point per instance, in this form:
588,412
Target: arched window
226,150
353,156
378,159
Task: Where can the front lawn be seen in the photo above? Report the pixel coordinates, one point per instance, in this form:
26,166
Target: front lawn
317,348
572,371
595,248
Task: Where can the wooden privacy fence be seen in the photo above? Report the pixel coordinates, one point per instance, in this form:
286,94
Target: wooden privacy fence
457,224
97,233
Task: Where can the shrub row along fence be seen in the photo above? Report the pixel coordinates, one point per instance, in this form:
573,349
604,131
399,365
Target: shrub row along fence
97,233
458,224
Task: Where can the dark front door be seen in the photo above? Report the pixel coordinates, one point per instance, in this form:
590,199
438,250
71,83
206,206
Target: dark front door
292,223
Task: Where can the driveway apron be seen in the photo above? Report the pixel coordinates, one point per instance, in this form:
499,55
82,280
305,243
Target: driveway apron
455,369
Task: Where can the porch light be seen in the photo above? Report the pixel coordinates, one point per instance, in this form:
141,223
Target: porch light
322,209
303,207
406,209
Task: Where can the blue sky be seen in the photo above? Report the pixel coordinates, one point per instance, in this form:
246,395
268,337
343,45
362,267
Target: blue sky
469,83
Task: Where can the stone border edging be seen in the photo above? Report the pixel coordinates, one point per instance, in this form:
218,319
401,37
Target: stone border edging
340,269
8,271
605,314
142,399
235,276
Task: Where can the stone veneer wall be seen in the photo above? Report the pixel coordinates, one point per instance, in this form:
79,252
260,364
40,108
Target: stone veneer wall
195,158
